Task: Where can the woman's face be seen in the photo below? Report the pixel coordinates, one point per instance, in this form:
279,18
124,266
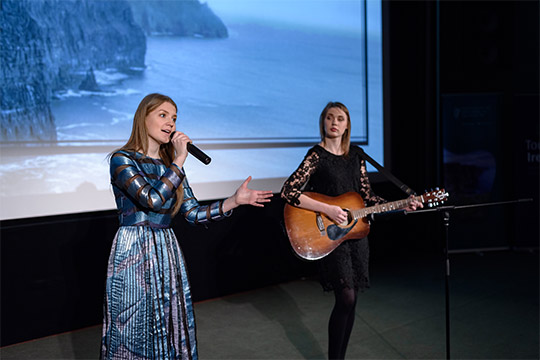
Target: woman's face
335,123
160,123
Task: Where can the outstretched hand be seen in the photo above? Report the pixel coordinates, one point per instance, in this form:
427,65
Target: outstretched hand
247,196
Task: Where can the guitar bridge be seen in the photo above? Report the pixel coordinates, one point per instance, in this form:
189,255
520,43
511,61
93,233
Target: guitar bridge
320,224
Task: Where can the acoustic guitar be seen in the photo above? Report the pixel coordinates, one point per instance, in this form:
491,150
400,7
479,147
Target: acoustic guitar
313,235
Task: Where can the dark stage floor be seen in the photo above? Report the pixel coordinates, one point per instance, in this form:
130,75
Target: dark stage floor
494,315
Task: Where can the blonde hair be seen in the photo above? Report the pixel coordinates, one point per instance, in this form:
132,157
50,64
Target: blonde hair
138,140
346,137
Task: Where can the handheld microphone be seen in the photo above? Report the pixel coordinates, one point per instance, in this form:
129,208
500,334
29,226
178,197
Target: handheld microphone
198,153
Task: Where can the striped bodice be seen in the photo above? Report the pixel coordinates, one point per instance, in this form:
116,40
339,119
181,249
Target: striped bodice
145,192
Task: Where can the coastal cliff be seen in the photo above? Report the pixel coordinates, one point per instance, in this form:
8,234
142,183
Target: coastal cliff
50,46
178,18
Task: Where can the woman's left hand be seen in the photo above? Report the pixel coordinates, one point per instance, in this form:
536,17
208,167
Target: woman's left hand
246,196
413,205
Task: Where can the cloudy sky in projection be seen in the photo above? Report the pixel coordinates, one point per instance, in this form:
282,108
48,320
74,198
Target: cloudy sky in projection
336,14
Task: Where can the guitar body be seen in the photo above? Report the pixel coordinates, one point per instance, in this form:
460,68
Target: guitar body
313,235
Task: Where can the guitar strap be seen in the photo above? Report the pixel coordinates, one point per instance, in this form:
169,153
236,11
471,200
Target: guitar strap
387,173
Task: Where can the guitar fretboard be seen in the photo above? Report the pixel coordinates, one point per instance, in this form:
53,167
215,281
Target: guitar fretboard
394,205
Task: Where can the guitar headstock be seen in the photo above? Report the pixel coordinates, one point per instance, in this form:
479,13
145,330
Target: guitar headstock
435,197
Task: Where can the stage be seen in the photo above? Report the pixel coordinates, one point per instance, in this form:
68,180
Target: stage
493,315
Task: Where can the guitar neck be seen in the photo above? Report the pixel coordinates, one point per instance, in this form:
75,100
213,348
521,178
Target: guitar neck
389,206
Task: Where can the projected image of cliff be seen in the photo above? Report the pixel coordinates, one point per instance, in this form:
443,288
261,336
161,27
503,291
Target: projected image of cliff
63,57
250,79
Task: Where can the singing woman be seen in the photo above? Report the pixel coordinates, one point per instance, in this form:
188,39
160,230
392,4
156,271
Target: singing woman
148,311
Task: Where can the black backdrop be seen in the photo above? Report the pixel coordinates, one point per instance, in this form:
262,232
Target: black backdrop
53,268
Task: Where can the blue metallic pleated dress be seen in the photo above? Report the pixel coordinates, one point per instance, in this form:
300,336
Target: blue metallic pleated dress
148,312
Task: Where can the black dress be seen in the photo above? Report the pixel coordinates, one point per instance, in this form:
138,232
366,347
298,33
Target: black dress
333,175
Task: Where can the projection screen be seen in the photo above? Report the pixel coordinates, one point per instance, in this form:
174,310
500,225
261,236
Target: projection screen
250,79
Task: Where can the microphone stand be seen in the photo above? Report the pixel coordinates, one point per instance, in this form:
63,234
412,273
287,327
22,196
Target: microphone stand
445,216
445,212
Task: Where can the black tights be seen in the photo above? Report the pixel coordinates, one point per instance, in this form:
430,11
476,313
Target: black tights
341,323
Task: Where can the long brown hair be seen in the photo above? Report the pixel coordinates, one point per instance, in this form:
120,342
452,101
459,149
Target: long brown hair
138,140
346,137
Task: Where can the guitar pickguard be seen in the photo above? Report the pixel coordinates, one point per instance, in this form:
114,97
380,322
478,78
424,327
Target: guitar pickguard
335,232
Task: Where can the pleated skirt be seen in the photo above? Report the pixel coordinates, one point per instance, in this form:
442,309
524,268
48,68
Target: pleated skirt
148,312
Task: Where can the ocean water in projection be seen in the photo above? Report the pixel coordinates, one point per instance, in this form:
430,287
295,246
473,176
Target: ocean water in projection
261,82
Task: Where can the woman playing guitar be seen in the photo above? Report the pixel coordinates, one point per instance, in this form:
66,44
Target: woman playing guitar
334,167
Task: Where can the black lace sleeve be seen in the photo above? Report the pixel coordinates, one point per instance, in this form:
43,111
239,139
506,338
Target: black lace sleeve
365,187
292,188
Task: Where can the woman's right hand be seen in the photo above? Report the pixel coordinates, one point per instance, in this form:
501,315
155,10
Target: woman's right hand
337,214
334,212
180,140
